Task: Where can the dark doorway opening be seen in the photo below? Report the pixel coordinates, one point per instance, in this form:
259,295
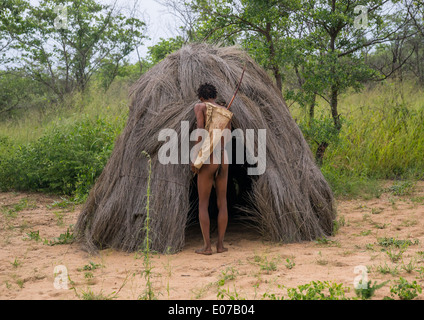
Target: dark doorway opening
238,189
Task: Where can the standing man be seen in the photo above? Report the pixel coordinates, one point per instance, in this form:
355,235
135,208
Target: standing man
213,171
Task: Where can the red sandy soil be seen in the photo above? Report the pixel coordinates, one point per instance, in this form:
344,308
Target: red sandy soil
250,268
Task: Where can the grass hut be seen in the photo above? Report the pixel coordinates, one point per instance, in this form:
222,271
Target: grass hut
290,202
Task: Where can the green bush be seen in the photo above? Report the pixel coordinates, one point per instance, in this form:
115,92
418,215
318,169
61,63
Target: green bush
318,290
66,159
405,290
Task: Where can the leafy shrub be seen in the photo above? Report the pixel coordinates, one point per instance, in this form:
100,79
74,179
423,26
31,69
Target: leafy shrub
369,290
66,159
318,290
405,290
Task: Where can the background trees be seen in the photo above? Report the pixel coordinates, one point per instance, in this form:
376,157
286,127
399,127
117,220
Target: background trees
62,44
316,50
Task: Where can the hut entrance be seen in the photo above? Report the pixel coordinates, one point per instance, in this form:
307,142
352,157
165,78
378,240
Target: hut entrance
238,188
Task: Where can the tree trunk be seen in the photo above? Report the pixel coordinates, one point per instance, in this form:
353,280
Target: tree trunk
334,105
319,155
312,108
278,78
274,65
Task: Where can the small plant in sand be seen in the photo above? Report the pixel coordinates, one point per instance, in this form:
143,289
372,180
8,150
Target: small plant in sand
379,225
289,263
64,238
395,254
228,274
323,241
63,204
376,210
89,294
398,243
420,271
318,290
365,233
321,260
273,296
410,266
402,188
230,295
16,263
59,218
386,269
11,211
90,266
395,248
20,283
265,264
338,223
34,235
405,290
148,294
367,291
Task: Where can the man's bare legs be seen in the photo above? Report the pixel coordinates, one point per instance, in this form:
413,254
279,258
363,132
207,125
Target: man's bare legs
205,179
221,195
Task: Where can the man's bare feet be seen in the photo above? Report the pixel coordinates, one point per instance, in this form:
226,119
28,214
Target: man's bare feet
204,251
221,249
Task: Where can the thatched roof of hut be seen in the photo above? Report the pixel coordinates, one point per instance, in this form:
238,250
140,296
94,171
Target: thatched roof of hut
291,201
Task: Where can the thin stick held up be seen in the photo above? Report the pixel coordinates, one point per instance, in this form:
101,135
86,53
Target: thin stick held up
238,87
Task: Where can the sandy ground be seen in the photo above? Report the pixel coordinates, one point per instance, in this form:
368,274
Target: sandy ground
251,268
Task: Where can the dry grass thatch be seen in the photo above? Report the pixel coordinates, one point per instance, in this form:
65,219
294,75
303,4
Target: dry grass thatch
290,202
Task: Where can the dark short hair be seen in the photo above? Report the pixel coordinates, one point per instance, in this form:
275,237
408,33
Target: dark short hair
207,91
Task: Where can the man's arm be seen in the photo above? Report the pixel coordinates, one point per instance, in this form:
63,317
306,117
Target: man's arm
199,111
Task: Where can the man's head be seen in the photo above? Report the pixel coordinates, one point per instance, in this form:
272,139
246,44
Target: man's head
206,91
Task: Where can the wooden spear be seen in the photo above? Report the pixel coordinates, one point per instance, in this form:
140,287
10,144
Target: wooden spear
238,86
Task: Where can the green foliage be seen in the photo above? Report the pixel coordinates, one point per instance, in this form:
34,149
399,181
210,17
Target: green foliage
318,290
64,238
265,264
323,241
405,290
382,139
34,235
387,242
67,158
12,97
228,274
319,130
11,211
164,47
91,295
149,293
368,292
95,35
91,266
289,263
401,188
